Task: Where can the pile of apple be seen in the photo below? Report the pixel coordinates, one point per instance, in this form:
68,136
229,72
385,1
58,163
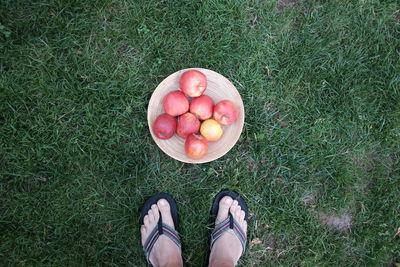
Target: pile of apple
188,111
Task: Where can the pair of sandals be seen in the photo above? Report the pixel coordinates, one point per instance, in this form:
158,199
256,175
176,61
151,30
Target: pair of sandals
219,229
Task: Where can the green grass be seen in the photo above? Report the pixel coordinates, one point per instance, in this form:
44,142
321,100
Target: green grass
321,88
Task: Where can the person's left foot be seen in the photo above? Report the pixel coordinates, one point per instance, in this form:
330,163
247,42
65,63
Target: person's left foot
165,252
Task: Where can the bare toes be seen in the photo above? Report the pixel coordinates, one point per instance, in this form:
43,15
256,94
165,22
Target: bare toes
224,205
237,214
165,210
155,212
151,217
245,226
242,215
146,220
233,207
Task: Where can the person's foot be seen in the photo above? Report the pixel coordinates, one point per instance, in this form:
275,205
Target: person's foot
228,249
165,252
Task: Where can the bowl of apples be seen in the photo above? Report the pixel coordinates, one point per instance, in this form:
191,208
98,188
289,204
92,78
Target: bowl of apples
195,115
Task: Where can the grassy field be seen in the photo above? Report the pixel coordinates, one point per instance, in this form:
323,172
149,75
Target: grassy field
318,160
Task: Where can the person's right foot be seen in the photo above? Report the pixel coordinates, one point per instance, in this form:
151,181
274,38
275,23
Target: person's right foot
227,249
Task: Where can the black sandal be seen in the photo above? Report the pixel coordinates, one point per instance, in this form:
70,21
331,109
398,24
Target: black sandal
230,222
161,228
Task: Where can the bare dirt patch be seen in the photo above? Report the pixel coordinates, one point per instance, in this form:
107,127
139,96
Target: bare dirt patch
338,224
370,161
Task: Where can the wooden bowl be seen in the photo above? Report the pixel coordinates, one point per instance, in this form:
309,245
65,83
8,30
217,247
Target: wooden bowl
218,88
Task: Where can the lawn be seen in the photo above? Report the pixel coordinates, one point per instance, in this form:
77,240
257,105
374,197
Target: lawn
318,160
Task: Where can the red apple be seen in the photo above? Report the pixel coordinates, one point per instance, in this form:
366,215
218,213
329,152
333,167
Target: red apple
175,103
196,146
164,126
225,112
193,83
187,124
202,107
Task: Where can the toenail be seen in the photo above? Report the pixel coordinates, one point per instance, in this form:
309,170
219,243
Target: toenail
163,202
228,200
